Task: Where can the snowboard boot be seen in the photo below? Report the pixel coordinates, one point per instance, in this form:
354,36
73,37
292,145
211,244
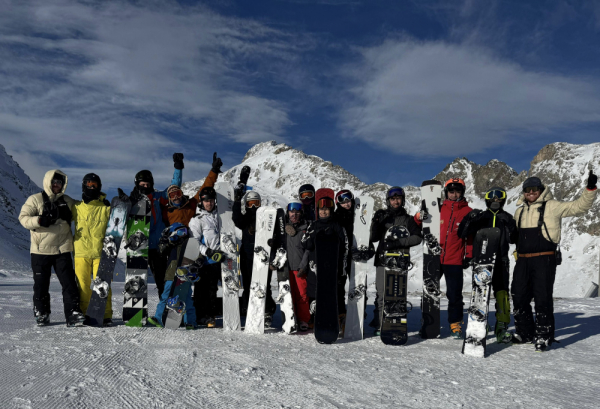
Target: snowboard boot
521,339
191,327
456,330
268,320
375,321
76,319
377,332
155,321
503,336
303,327
211,322
42,320
541,344
107,322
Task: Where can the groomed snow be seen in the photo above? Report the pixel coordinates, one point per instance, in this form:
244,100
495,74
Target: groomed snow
121,367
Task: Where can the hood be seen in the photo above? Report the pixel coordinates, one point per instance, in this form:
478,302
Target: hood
544,197
47,184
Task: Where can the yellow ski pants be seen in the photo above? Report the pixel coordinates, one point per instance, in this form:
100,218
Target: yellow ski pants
84,268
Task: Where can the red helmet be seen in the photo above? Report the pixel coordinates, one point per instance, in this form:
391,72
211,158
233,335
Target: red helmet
343,196
455,183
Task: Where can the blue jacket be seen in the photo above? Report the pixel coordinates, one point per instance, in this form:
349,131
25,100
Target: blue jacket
157,225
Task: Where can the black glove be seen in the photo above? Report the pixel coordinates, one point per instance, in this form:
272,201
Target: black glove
178,160
106,203
238,192
64,212
45,221
466,263
379,216
122,195
215,255
135,196
245,174
475,214
49,215
592,180
216,164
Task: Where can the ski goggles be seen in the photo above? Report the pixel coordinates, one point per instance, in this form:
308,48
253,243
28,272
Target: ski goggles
175,194
58,182
345,197
178,234
90,184
532,189
495,194
324,202
253,203
294,206
396,192
307,195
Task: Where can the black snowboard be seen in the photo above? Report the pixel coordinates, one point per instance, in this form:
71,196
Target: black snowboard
327,325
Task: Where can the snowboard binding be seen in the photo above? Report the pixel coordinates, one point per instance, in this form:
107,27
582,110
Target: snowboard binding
396,309
134,286
355,294
110,248
432,244
280,259
482,275
228,244
232,283
100,287
136,241
476,314
285,289
259,290
262,253
397,260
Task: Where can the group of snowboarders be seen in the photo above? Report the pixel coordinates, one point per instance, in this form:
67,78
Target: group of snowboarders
535,229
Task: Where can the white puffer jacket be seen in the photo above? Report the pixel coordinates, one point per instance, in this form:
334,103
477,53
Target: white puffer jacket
206,225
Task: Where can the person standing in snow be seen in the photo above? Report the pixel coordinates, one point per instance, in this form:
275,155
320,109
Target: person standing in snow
538,219
495,216
47,215
90,216
383,220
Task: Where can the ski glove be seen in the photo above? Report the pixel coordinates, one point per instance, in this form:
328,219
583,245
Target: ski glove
592,180
216,164
178,160
245,174
64,212
215,255
476,214
122,195
238,192
45,221
135,196
466,263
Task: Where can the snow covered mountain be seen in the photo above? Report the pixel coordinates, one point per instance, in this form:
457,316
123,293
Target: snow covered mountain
278,170
15,188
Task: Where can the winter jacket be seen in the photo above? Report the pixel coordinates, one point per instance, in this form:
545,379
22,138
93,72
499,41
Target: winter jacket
158,198
555,211
184,213
57,238
247,224
477,220
204,228
90,221
297,256
454,248
345,218
390,218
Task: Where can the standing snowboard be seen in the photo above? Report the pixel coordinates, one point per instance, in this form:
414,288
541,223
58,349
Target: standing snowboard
431,193
135,303
284,298
265,225
230,282
485,247
327,324
394,329
112,241
357,287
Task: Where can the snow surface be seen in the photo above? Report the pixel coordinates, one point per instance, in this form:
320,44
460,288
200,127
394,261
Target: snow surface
121,367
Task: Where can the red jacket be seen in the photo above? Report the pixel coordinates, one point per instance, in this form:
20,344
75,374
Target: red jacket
454,249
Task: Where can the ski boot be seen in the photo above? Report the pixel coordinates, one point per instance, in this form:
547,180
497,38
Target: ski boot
303,326
521,339
107,322
503,336
541,344
155,321
42,320
76,319
377,332
268,320
456,331
375,321
211,322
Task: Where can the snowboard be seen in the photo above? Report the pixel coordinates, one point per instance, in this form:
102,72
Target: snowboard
179,289
357,286
485,247
431,193
284,297
135,302
265,225
327,325
112,241
394,330
230,277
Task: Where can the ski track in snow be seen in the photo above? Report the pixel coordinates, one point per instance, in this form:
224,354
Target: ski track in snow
60,367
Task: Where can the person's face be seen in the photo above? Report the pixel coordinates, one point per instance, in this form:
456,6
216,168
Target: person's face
294,216
209,204
324,212
176,201
346,205
531,195
454,194
56,186
144,184
396,201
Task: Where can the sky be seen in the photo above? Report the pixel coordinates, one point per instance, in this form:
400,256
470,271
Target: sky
390,90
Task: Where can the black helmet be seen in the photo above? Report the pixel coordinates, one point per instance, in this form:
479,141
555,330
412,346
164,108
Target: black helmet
306,194
205,194
144,176
395,191
91,181
495,198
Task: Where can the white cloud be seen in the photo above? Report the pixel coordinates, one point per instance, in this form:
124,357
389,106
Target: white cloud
428,98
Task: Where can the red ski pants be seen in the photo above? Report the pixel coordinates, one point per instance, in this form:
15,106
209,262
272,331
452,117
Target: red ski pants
299,296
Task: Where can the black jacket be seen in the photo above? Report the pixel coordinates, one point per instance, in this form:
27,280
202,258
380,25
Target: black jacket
247,224
345,218
477,220
383,220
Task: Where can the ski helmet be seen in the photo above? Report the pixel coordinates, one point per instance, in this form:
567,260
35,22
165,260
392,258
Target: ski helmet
343,196
495,198
206,193
306,193
252,199
395,191
533,182
144,176
90,186
455,184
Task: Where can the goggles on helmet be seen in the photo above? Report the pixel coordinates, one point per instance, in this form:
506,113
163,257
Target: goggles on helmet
175,194
495,194
253,203
57,182
294,206
324,202
395,192
307,195
344,197
532,189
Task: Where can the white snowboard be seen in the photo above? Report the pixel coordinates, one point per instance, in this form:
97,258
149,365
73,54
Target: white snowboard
230,281
357,287
265,224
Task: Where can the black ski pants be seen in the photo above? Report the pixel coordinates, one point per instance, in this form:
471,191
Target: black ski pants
42,265
454,286
533,279
205,291
246,270
158,265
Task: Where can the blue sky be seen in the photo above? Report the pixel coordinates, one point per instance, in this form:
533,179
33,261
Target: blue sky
390,90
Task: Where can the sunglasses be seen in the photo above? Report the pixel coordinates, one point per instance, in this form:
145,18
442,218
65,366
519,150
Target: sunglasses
532,189
57,182
495,194
307,195
175,194
294,206
345,197
253,203
324,202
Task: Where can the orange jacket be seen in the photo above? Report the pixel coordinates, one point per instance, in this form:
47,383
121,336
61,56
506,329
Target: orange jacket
184,213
